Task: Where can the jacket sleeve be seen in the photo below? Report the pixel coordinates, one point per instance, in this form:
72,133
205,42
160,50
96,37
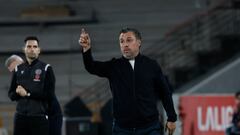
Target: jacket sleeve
48,88
164,89
12,89
95,67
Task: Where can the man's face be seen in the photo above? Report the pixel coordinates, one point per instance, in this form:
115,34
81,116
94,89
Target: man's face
129,45
31,49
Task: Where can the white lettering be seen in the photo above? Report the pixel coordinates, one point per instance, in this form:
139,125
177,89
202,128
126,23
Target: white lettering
201,127
216,118
228,116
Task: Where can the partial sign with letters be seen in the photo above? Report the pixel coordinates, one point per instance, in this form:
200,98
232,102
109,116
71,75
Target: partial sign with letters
206,114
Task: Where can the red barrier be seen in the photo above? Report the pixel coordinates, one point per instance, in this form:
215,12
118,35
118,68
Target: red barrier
206,115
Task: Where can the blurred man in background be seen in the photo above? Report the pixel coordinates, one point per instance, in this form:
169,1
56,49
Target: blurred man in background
33,85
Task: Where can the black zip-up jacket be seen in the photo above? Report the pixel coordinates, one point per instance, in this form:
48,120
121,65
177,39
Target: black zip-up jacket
39,81
135,92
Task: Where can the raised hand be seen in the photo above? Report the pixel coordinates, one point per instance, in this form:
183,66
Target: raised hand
84,40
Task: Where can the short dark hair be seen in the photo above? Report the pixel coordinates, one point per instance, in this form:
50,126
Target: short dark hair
31,38
135,31
237,94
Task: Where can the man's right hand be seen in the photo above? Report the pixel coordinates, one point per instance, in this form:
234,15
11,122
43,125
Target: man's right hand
170,127
84,40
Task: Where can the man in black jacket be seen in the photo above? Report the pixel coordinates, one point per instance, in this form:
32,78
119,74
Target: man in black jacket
32,86
54,112
136,83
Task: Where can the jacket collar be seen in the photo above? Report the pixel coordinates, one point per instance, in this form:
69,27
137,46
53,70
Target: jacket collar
33,62
136,58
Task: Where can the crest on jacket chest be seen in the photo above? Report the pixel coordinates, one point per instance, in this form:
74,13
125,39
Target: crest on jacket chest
37,75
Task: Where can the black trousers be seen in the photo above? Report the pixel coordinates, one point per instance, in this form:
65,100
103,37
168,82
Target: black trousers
55,124
30,125
152,129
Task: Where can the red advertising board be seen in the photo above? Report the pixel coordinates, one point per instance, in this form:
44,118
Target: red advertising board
206,114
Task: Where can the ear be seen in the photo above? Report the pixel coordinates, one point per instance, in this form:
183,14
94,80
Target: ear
139,42
23,49
39,50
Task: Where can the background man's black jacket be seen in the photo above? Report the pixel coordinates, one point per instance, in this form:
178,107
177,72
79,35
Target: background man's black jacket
39,80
